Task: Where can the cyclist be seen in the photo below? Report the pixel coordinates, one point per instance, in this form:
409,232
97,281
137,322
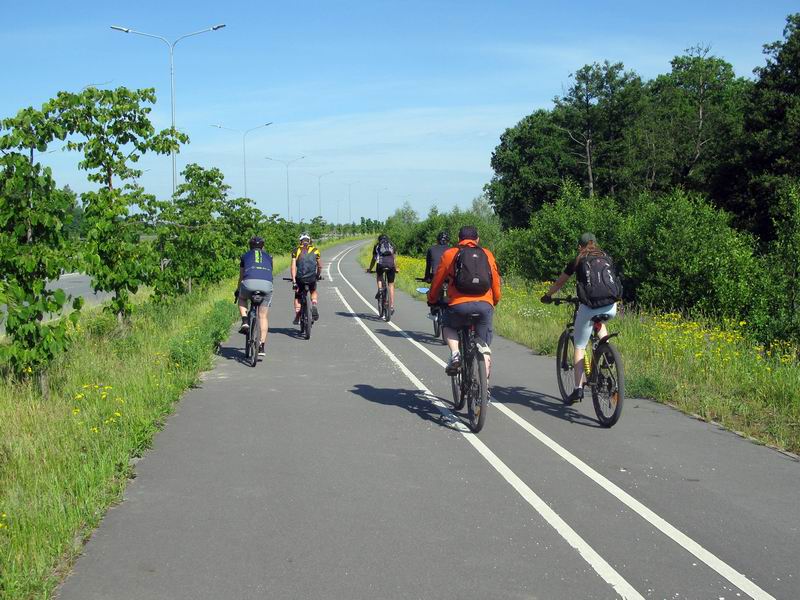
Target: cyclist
474,288
385,261
434,255
306,269
255,275
598,288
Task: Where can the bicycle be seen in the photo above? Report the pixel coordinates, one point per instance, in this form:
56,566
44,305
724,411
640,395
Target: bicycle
605,374
384,310
470,385
306,321
436,310
253,337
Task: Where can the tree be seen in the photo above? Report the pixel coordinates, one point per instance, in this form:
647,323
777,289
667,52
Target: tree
113,130
773,128
33,243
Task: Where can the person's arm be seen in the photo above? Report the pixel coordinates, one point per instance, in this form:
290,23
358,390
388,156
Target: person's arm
428,264
241,276
557,285
374,258
439,277
293,268
496,281
319,264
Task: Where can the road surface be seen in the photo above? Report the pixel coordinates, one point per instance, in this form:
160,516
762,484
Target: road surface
333,471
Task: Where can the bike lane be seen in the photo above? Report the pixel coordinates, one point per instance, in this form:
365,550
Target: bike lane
321,473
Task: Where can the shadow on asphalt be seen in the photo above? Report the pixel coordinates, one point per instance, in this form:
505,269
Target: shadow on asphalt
543,403
362,316
232,353
413,401
418,336
292,332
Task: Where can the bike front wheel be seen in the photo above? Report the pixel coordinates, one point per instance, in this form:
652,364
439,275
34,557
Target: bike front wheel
565,367
437,323
477,393
608,391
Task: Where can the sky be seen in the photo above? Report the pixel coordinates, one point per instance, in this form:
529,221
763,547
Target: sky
405,100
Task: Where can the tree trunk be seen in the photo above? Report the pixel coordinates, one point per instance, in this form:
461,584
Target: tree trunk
44,386
589,166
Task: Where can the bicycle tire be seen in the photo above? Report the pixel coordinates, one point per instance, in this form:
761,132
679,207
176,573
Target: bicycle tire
437,324
458,396
255,339
608,391
565,368
477,400
387,311
307,317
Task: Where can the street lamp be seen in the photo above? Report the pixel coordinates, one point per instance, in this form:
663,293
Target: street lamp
287,163
350,199
319,187
244,147
171,46
378,198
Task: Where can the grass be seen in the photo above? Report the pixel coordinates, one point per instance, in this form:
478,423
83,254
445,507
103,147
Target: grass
713,370
64,461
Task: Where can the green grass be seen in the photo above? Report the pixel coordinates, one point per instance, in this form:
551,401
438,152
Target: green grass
712,370
64,461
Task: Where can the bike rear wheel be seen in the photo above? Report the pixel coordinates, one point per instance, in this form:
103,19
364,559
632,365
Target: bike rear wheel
437,323
458,396
307,317
565,367
255,339
608,391
478,392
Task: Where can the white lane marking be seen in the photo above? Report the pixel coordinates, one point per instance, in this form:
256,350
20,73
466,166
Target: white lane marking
328,269
603,569
676,535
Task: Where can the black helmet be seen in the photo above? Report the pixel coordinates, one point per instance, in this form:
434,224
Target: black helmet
382,237
444,238
256,242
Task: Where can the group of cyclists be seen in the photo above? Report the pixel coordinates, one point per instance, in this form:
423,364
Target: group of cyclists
464,285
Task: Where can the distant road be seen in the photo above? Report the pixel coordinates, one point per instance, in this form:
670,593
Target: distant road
74,284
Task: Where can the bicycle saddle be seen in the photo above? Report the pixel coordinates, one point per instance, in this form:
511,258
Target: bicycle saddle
601,318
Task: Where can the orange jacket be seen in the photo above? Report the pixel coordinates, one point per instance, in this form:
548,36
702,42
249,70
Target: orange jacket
446,270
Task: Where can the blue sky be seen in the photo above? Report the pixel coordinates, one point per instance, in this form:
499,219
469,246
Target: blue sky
409,96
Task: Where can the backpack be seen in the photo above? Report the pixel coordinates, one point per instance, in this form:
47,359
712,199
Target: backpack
386,254
473,273
306,263
598,281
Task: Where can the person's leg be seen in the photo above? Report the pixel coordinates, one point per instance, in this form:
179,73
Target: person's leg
451,337
378,279
263,317
581,334
391,296
314,296
484,331
243,297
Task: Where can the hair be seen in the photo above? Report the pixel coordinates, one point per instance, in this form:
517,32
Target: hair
468,232
443,238
590,249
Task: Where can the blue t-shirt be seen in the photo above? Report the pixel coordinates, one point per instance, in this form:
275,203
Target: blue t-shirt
257,264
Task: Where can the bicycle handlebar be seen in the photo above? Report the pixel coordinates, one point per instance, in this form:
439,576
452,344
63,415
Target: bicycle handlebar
567,300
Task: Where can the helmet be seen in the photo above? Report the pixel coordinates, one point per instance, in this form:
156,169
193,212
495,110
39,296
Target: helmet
256,242
304,236
444,238
382,237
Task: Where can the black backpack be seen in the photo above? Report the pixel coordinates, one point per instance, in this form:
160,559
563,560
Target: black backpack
598,280
306,266
473,274
385,257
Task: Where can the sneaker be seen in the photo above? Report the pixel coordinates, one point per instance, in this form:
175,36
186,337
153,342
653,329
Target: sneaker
453,365
391,310
576,395
261,350
296,318
245,328
314,312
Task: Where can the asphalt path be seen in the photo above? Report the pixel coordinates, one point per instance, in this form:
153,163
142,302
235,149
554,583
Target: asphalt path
335,469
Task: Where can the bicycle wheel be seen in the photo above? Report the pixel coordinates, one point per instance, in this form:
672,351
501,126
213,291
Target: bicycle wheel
565,368
458,396
255,339
306,308
437,323
387,312
477,399
608,391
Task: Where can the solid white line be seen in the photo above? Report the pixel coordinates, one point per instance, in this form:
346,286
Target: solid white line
711,560
328,268
605,570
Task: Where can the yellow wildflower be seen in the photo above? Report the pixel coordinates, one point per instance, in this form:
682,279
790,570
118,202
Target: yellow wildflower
75,411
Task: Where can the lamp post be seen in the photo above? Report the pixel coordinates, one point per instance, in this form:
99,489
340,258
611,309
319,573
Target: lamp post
244,147
350,200
378,199
319,188
171,46
286,163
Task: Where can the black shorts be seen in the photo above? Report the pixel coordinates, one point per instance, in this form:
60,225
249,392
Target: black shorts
311,287
457,316
390,273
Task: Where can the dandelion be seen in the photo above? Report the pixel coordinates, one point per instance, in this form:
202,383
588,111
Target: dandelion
79,396
76,410
95,430
117,414
86,386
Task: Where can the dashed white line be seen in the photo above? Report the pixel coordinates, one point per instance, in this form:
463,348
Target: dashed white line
597,562
669,530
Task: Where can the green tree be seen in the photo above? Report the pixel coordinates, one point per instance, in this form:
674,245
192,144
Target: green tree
33,243
113,130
